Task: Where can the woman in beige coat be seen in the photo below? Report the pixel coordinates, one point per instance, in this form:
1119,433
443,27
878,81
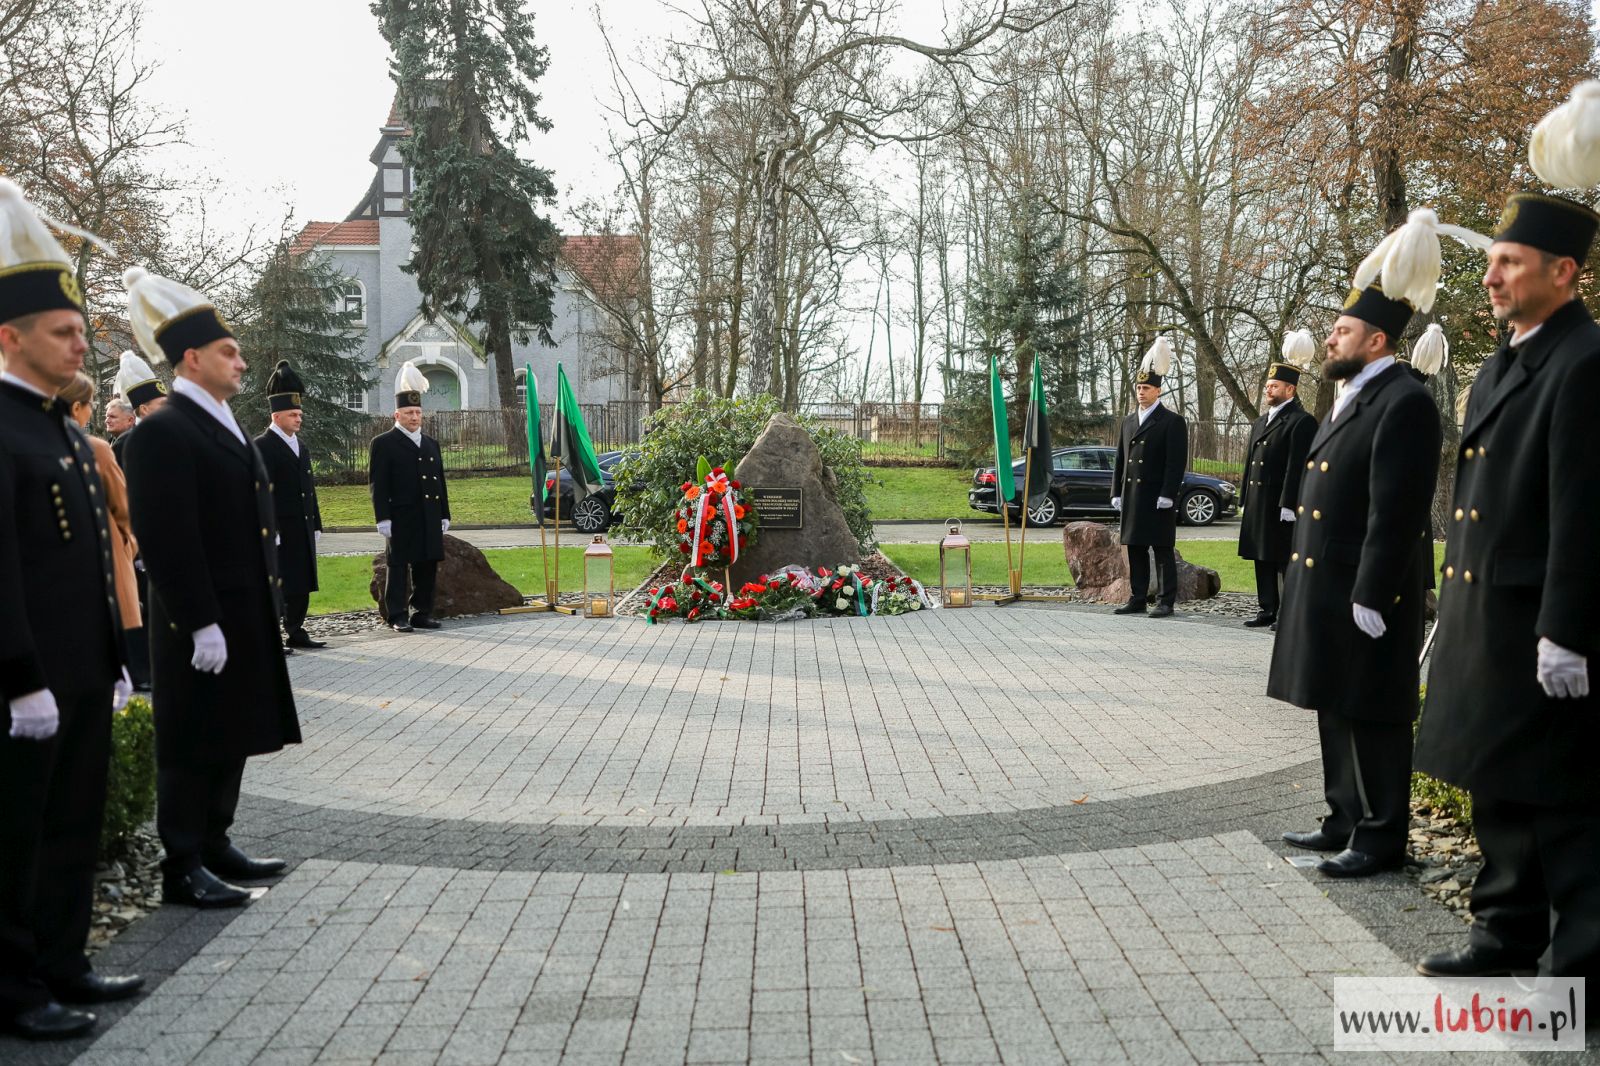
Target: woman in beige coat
80,394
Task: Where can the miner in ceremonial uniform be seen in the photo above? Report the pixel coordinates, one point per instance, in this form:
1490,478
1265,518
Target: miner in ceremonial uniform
60,644
1512,713
1274,460
1152,451
411,505
1351,624
202,510
144,392
294,499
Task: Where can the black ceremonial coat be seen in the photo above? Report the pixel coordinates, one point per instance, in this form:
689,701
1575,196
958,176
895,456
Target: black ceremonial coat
1275,460
294,504
1521,563
408,490
60,627
202,511
1150,463
1362,538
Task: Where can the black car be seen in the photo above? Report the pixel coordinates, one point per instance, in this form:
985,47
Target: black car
594,514
1081,485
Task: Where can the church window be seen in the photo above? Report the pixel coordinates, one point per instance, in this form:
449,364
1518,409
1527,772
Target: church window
354,303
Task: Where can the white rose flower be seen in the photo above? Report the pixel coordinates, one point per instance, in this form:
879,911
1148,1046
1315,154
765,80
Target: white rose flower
841,603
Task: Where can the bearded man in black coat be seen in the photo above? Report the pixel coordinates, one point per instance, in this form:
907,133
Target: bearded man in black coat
1270,492
1152,451
202,510
1351,624
294,503
1512,713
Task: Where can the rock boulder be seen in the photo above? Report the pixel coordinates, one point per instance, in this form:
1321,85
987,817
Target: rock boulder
1099,566
784,456
467,583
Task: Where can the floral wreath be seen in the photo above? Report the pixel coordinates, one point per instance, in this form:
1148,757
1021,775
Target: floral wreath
713,522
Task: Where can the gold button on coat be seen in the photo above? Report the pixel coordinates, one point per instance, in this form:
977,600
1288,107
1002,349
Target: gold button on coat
1310,561
1324,466
1449,572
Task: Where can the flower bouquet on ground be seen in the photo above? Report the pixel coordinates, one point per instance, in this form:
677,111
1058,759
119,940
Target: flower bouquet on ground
692,598
844,590
714,524
899,595
772,598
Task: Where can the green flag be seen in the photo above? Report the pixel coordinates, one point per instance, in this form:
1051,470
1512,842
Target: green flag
569,441
535,444
1004,484
1036,438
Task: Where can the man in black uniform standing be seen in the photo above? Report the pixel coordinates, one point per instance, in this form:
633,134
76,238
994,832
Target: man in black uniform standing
1351,623
60,646
1151,455
145,393
1512,714
202,511
294,499
411,505
1274,460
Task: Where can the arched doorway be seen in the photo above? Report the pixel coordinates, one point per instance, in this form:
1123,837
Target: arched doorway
444,389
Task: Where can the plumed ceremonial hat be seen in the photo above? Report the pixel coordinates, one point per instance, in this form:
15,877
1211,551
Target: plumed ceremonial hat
1156,364
168,317
409,385
36,273
137,382
284,388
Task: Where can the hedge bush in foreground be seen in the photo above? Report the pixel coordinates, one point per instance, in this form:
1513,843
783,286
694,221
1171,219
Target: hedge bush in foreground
131,777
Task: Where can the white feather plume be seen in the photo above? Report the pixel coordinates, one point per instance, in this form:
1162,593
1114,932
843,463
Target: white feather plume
1408,260
1158,359
24,237
1431,353
152,301
410,379
1565,147
132,372
1299,348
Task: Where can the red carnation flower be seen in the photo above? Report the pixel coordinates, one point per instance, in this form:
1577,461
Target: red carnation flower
735,484
684,548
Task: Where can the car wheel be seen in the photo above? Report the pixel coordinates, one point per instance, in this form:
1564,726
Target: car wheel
1199,508
1044,513
592,515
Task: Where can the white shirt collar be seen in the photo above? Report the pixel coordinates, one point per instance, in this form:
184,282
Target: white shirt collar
1146,412
292,441
19,383
1272,412
414,438
1355,384
210,405
1522,338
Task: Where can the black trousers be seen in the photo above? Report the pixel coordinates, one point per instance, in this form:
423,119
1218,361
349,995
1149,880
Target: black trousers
1540,884
1366,778
1139,572
422,584
195,804
1269,583
295,606
52,800
138,640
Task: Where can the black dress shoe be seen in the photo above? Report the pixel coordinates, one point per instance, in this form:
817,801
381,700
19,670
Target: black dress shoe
93,988
1474,962
400,627
1130,608
1163,610
287,651
425,621
1273,627
235,864
303,639
50,1022
1353,863
1316,840
1261,620
201,888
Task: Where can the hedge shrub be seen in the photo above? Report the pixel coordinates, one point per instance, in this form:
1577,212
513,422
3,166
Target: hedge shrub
1443,797
131,778
650,482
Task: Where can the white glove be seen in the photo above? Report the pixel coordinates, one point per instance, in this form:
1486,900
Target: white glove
316,537
210,650
1163,502
444,525
1286,514
277,540
121,691
1116,503
138,564
34,716
384,527
1563,674
1369,621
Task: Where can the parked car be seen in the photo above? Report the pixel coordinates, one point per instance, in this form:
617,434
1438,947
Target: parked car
595,514
1081,486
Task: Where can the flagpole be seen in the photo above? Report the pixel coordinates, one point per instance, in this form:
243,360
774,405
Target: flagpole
1022,549
555,586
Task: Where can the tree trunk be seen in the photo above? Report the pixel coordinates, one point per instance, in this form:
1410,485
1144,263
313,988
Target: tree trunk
764,297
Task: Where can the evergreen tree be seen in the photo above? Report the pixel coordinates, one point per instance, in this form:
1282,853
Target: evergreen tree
295,311
464,71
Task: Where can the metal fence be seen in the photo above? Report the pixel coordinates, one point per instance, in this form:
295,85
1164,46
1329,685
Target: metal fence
495,441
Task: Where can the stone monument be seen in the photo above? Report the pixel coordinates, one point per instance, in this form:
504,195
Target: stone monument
467,584
1099,565
807,525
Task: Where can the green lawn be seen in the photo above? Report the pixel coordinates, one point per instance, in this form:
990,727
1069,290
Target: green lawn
926,492
344,578
1046,563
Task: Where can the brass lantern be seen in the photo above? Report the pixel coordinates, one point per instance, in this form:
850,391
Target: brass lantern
599,579
955,567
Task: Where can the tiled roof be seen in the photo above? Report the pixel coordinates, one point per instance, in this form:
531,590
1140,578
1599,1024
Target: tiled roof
354,231
396,119
607,263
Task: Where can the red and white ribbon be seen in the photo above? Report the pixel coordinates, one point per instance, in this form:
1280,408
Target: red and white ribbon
716,483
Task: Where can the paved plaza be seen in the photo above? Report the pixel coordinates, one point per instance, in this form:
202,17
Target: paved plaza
1022,835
